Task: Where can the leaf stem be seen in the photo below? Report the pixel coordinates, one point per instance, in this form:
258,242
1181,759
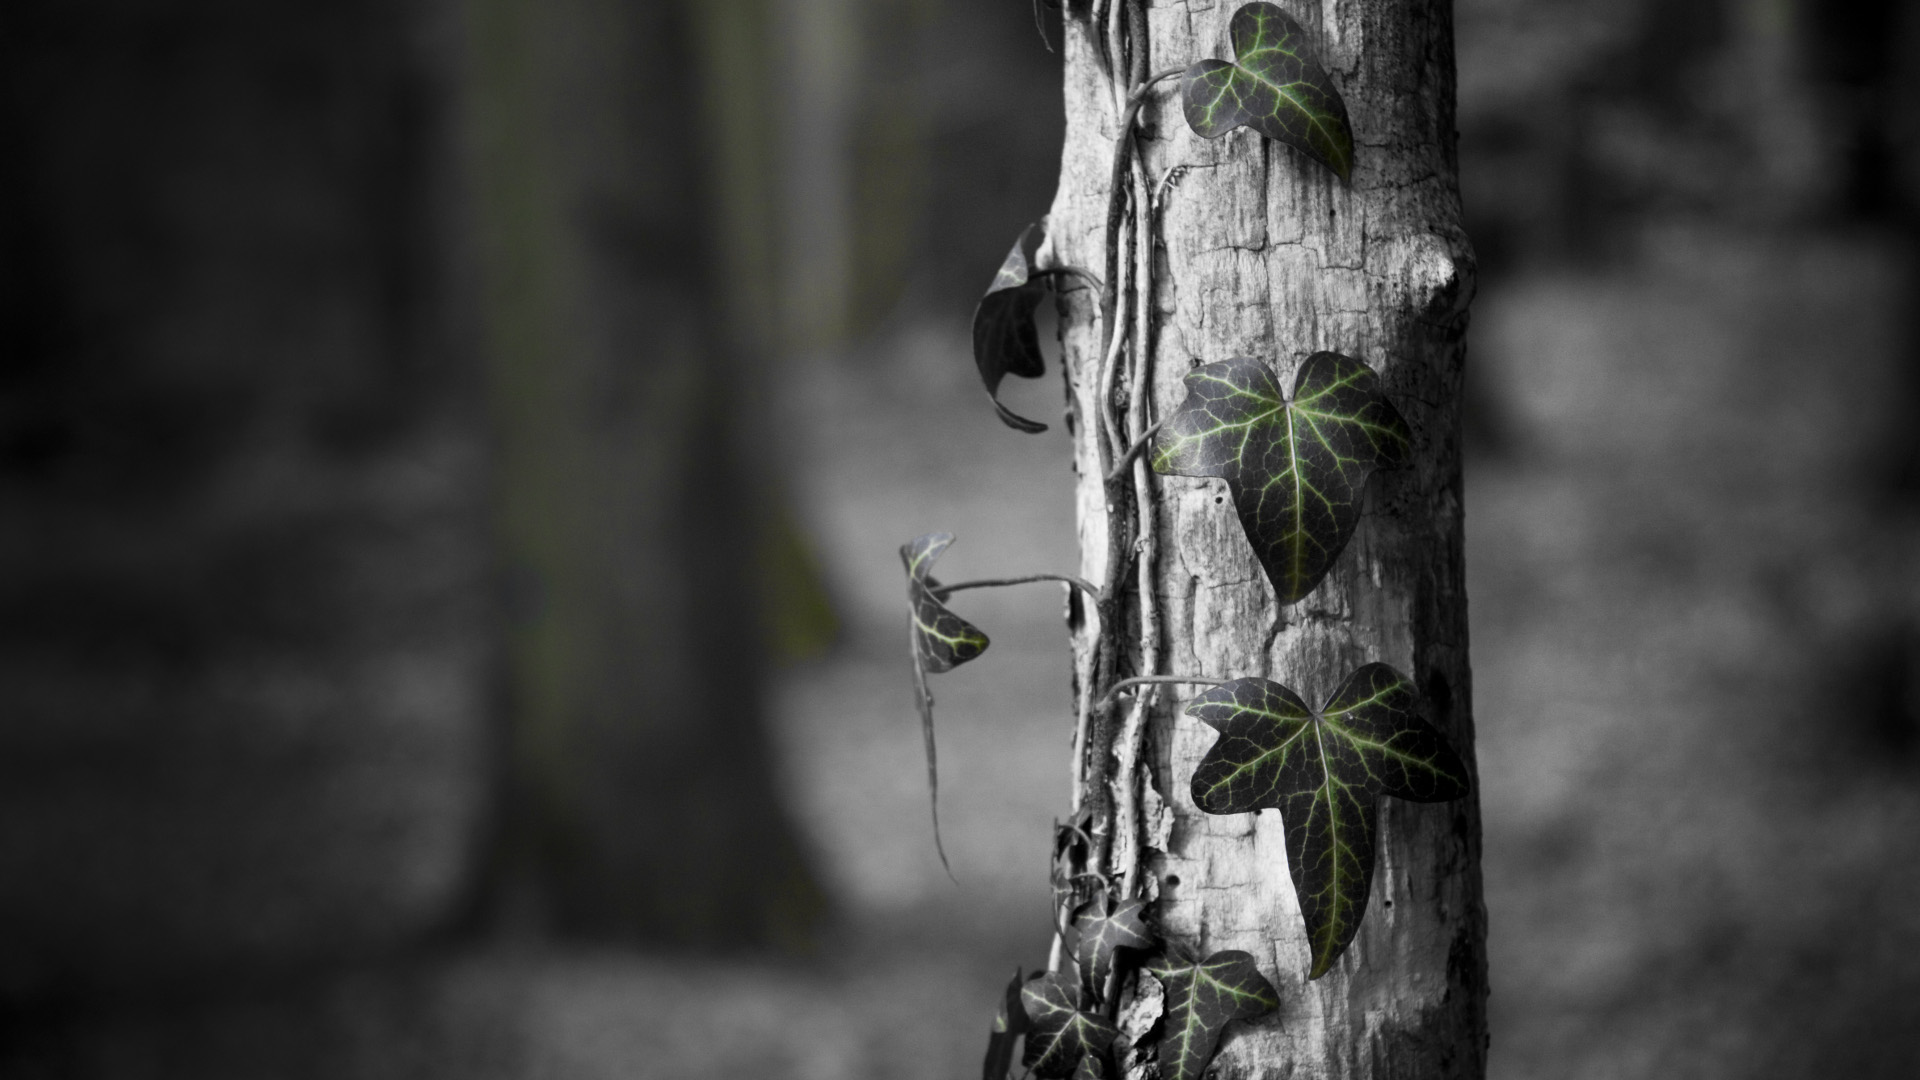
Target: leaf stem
1139,444
1087,277
1085,586
1143,680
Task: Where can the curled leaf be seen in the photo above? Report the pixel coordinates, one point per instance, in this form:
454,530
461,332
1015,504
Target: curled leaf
1062,1033
1325,772
940,641
1202,998
1009,1023
1276,87
1005,341
1101,932
1297,468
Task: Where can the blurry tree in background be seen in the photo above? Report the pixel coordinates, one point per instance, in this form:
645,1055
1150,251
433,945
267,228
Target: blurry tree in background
632,473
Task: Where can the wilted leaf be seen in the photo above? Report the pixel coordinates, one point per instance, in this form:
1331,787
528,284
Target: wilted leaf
1325,772
1005,341
1008,1025
1101,932
941,641
1202,998
1297,469
1277,88
1062,1034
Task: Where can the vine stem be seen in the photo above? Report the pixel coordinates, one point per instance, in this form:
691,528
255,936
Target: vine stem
1141,443
1085,586
1117,188
1086,277
1144,680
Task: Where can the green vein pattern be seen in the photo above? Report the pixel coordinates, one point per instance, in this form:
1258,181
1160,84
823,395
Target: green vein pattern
1062,1033
1101,932
1202,998
1325,773
1297,469
1277,88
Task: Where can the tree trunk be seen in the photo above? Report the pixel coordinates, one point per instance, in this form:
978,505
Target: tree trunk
1257,250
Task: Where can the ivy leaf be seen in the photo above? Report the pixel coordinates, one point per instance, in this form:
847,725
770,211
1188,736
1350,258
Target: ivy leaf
1008,1024
940,641
1202,998
1277,88
1062,1032
1325,772
1005,341
1101,932
1297,469
1090,1068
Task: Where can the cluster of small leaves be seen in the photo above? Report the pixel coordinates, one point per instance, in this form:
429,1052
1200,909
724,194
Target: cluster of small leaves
1068,1035
1324,771
1275,86
1297,468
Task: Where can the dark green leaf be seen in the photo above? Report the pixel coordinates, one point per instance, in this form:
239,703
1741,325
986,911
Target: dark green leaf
940,641
1325,773
1297,469
1202,997
1005,341
1062,1032
1277,88
1101,932
1090,1068
1008,1025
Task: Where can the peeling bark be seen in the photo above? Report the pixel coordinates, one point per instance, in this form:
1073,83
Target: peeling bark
1255,249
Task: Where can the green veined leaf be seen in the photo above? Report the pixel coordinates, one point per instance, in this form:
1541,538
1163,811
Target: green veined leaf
1202,998
940,641
1005,341
1090,1068
1101,932
1277,88
1008,1025
1062,1033
1297,468
1325,772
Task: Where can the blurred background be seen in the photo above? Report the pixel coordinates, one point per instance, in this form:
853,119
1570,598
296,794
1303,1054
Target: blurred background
452,455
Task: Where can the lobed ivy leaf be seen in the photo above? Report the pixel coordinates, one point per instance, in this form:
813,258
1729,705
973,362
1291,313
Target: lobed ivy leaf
1063,1033
1325,772
1276,87
941,641
1202,998
1297,468
1009,1023
1101,932
1005,341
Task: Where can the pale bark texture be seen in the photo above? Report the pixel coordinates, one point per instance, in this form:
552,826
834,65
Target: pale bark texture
1259,251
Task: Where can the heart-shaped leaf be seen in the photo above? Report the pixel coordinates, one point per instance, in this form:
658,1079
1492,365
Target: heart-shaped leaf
1298,468
1062,1033
1102,931
1008,1025
941,641
1005,341
1325,772
1202,997
1277,88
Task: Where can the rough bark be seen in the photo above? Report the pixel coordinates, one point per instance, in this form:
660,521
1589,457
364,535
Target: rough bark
1257,250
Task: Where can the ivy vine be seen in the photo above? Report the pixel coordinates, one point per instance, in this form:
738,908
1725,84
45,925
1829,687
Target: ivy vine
1296,466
